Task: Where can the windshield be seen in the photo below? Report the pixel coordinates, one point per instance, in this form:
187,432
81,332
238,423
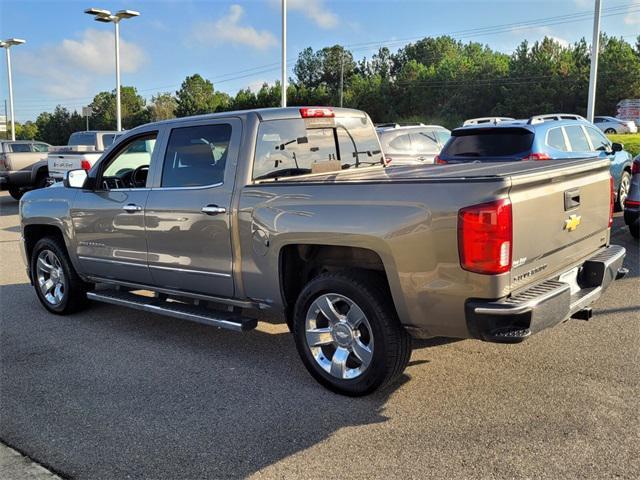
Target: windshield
298,147
489,142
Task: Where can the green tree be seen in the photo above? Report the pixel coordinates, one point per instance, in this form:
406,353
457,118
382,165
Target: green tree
104,109
618,74
26,131
56,128
197,96
163,107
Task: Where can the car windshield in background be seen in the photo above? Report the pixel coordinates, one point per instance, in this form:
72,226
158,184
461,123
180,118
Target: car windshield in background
82,138
297,147
108,138
489,142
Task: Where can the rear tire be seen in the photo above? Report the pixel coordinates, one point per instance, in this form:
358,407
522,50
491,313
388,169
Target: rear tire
363,346
16,193
623,190
635,230
610,131
57,284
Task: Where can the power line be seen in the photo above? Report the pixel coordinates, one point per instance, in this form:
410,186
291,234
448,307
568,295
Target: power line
365,46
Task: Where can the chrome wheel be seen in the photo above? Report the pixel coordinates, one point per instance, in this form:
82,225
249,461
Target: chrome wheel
50,277
339,336
623,192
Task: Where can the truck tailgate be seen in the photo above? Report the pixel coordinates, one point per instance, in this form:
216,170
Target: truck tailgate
559,218
59,163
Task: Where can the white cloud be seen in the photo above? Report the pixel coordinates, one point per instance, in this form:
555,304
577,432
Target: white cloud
67,69
315,10
228,30
538,33
633,17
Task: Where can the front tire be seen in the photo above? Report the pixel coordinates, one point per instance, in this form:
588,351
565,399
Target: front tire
58,286
348,334
610,131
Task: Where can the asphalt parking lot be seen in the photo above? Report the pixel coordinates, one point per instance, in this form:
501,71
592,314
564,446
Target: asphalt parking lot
114,393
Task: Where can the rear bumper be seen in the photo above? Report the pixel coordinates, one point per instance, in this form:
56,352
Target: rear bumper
543,305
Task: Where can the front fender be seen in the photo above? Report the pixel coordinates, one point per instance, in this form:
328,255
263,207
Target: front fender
51,207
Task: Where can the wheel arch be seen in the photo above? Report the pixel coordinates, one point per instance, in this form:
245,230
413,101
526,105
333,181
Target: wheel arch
299,263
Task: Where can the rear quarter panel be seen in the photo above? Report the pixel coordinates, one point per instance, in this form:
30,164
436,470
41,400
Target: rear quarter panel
411,226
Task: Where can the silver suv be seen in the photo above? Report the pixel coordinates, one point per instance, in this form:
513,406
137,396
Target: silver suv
412,144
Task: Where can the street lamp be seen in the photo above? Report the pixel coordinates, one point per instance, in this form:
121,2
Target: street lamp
105,16
7,44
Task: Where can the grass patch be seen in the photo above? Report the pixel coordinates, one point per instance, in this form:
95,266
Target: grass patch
630,141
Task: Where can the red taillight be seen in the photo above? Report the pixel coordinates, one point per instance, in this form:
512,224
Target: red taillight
631,203
438,161
485,236
612,199
388,160
85,165
316,112
537,156
635,168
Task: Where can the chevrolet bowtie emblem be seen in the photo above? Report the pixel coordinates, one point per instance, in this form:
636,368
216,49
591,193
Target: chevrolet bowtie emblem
571,223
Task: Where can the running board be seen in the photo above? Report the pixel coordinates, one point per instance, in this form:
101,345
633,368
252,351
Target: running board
194,313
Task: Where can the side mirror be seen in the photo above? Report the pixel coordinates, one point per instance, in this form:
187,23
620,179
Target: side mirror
617,147
75,178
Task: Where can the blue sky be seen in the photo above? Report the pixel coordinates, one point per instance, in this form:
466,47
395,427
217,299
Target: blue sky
69,57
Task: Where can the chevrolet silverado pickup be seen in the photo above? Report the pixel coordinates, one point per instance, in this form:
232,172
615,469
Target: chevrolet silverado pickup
23,166
294,210
81,151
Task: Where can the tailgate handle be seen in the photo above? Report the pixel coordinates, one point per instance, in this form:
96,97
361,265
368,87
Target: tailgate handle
571,199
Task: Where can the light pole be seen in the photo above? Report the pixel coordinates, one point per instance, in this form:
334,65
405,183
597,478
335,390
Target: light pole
593,73
7,44
105,16
283,100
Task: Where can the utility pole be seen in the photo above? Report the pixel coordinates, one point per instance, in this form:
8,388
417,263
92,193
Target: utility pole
593,74
105,16
283,100
7,44
341,75
6,128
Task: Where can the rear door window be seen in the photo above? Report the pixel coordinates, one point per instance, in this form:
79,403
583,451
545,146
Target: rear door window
20,147
293,147
196,156
555,139
577,139
489,142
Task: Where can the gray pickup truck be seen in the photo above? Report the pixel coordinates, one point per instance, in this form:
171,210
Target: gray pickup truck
293,210
23,166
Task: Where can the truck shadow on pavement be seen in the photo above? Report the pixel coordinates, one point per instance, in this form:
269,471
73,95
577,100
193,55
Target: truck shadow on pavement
112,392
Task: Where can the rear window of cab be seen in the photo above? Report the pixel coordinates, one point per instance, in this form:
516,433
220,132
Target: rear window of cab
293,147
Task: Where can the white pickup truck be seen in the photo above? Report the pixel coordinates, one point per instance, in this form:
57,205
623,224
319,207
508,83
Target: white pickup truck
82,151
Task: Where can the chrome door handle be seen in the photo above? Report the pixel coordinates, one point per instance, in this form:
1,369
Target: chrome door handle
213,209
131,208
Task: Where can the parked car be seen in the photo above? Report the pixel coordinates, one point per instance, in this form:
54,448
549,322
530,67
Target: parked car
542,137
632,202
483,120
23,166
412,143
615,125
294,210
82,151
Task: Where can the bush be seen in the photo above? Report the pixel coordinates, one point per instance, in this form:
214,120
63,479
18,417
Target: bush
630,141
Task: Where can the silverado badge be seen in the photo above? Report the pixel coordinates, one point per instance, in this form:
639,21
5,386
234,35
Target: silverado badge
572,222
